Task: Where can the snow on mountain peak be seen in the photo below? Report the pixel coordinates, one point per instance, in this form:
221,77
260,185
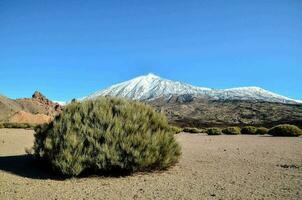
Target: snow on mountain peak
147,87
151,75
151,86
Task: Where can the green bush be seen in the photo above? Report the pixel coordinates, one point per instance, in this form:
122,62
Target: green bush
231,131
261,131
192,130
285,130
214,131
176,129
106,135
1,126
18,125
249,130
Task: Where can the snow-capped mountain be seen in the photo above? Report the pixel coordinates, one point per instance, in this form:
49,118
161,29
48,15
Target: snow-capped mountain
150,87
147,88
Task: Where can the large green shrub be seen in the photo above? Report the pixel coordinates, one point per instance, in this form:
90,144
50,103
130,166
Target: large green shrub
249,130
261,131
192,130
106,135
214,131
231,131
285,130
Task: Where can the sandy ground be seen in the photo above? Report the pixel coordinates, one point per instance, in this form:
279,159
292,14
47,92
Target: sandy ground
211,167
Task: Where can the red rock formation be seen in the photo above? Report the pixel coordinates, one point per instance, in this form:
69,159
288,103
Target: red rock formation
36,110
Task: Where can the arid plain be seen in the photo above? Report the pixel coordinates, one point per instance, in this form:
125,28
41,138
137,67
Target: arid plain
211,167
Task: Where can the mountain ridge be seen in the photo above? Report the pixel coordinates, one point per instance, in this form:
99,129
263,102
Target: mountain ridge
151,86
195,112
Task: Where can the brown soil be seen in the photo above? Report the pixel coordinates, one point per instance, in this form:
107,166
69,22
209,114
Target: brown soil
25,117
211,167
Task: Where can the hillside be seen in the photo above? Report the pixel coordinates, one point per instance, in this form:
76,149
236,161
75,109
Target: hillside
37,109
189,111
188,105
8,107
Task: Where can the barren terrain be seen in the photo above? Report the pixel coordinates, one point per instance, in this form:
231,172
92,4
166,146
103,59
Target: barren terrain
35,110
198,112
211,167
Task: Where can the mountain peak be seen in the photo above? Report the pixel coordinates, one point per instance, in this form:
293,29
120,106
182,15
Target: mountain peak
149,87
40,97
151,76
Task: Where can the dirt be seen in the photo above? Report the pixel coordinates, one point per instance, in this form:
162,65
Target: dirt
211,167
26,117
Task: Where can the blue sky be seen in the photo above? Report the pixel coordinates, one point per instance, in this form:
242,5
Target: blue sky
70,49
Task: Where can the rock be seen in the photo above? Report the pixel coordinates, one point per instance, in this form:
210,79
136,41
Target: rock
36,110
40,97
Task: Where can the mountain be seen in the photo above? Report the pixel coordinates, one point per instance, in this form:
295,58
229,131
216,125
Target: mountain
197,112
150,87
187,105
35,110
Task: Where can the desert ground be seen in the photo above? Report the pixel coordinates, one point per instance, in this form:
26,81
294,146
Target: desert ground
211,167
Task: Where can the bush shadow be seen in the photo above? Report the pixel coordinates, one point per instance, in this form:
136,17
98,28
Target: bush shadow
26,166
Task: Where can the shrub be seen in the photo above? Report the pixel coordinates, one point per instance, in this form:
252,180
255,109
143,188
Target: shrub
214,131
192,130
1,126
106,135
176,129
18,125
285,130
231,131
261,131
249,130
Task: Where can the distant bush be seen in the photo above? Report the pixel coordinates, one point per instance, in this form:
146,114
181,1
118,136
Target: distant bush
176,129
106,135
214,131
231,131
261,131
193,130
249,130
285,130
18,125
1,126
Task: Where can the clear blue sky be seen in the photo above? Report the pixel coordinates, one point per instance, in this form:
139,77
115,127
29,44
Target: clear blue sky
70,49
